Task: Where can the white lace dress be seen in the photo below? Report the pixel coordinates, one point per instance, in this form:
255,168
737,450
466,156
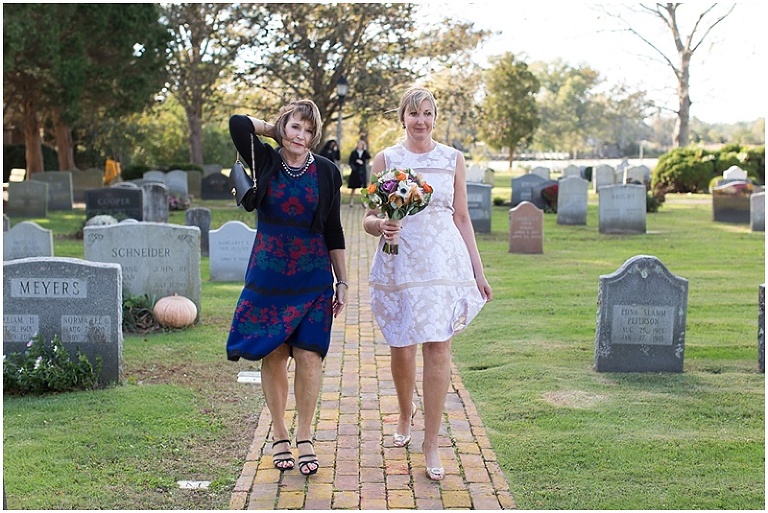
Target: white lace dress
427,292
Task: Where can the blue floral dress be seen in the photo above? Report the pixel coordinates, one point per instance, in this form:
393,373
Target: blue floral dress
288,293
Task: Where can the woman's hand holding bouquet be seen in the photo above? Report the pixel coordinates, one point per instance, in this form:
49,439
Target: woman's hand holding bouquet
397,193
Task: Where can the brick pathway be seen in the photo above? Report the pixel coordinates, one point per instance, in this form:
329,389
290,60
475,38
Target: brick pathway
359,466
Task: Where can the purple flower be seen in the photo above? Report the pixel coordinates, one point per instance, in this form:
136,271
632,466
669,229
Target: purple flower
389,186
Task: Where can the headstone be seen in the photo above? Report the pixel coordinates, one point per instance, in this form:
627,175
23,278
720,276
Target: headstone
154,175
194,182
538,194
526,229
200,217
210,169
118,202
27,239
60,192
479,203
215,186
80,302
638,174
84,180
734,174
101,220
572,200
621,209
541,171
761,328
757,212
572,170
157,259
230,251
731,202
475,174
521,187
603,175
154,202
27,199
177,183
641,318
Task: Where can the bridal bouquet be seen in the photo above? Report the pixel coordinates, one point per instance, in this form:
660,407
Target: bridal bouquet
397,193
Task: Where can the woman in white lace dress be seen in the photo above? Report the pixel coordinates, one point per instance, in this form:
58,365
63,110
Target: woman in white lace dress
434,286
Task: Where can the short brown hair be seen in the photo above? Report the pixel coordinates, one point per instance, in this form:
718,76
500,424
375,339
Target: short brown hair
412,98
306,110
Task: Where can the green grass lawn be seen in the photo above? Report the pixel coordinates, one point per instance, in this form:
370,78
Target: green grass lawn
566,436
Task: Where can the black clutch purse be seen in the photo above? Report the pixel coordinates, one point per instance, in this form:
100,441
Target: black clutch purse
244,185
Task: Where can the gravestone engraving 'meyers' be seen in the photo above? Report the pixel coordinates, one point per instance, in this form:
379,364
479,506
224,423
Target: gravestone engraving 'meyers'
479,203
118,202
526,229
621,209
230,249
157,259
80,302
27,239
641,317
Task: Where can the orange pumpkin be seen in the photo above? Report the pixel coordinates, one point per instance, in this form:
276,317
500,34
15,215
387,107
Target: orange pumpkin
175,311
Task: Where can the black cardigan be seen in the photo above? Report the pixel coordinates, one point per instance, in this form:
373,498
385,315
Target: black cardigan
268,162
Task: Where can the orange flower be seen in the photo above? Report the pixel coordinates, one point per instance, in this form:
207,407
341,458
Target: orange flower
427,188
400,176
372,189
395,199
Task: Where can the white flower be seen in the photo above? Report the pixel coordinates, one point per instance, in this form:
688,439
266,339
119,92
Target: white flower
38,362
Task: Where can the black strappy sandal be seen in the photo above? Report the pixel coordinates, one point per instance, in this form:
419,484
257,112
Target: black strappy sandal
279,458
306,460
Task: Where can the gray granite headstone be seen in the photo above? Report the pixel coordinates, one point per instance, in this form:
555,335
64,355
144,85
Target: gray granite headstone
731,202
200,217
194,183
209,169
541,171
572,170
155,202
621,209
177,183
475,174
479,203
572,200
521,187
757,212
734,174
80,302
27,239
27,199
761,329
603,175
215,186
60,189
537,194
154,175
118,202
638,174
84,180
230,250
526,229
641,318
157,259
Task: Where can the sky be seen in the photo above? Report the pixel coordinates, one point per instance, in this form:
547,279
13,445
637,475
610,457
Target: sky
728,71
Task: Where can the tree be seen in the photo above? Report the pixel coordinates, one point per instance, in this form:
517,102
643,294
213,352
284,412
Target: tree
206,41
685,48
301,50
509,107
61,60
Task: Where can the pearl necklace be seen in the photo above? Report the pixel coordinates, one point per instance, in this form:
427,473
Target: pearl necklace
290,171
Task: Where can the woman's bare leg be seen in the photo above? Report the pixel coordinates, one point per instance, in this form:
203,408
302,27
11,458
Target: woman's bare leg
403,366
437,379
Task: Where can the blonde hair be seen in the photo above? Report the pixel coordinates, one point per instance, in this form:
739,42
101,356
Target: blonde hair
306,110
412,99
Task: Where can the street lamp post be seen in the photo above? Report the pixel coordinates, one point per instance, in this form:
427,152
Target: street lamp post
342,88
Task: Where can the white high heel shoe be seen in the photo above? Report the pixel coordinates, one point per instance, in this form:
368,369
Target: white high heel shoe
399,440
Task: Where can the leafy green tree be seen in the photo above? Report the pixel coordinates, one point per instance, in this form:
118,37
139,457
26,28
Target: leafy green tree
509,107
207,39
61,60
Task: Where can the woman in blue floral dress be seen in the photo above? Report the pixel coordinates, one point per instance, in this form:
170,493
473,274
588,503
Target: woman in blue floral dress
289,299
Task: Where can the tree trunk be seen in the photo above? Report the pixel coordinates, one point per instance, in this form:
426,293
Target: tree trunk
64,147
33,148
681,136
195,137
511,157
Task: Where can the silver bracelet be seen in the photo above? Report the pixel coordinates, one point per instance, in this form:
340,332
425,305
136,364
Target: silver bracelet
341,282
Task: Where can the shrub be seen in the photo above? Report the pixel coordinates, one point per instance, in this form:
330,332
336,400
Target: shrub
185,166
45,368
134,171
684,170
137,315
